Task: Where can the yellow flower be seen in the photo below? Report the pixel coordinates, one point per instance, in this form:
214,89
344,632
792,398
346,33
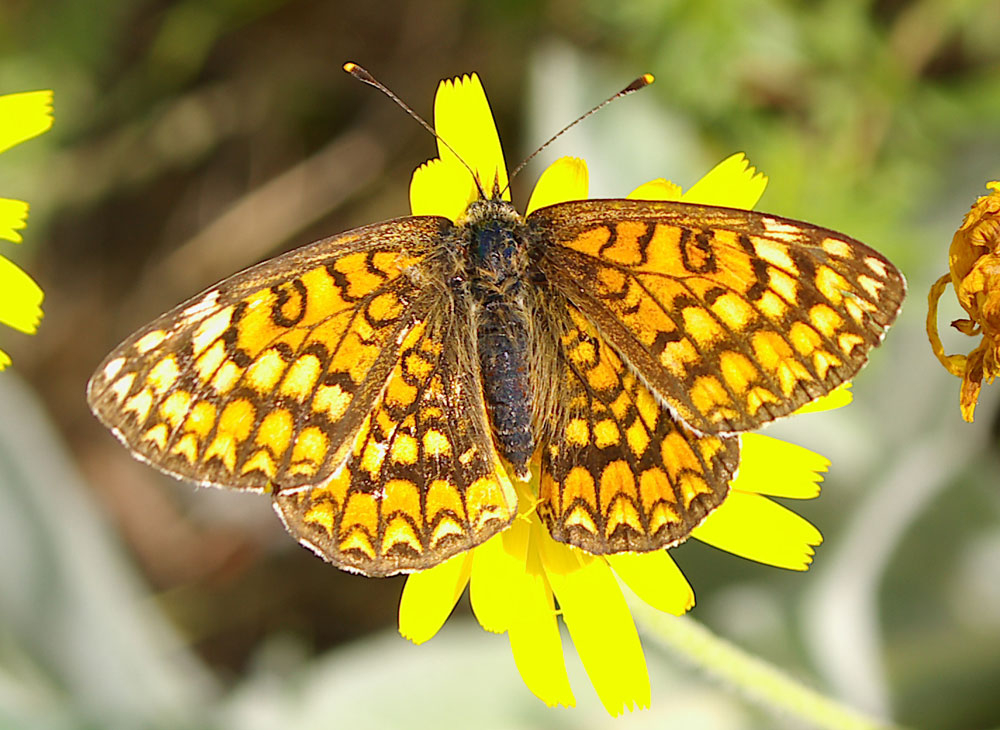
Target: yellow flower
974,263
22,116
521,580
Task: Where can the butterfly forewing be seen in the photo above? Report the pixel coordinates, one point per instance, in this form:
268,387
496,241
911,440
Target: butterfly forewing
422,480
620,473
732,317
262,381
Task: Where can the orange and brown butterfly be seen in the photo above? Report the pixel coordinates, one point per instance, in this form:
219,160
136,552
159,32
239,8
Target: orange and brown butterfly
388,386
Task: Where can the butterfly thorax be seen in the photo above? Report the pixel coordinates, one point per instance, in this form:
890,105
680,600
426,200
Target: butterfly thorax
497,261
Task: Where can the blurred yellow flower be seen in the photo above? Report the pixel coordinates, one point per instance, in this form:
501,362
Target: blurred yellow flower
521,580
974,263
22,116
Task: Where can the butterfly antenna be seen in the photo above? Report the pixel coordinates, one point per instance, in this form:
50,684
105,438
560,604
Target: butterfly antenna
363,76
640,83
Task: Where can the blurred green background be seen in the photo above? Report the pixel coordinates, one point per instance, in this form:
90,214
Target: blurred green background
195,138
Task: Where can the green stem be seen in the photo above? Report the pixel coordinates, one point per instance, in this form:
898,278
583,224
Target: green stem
759,680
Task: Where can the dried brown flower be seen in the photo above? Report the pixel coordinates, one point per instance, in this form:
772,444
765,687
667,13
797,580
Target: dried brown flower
974,260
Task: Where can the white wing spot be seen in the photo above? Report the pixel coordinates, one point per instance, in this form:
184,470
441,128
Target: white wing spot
149,341
872,287
877,266
781,230
122,386
210,330
113,368
202,306
836,247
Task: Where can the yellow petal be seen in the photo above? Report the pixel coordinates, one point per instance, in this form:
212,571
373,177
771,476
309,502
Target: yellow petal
516,539
756,528
23,116
600,624
463,118
13,217
499,582
836,398
20,298
658,189
778,468
656,579
535,641
437,188
565,179
732,183
4,360
430,596
538,654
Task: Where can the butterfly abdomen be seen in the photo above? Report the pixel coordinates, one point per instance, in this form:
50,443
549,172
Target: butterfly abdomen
497,259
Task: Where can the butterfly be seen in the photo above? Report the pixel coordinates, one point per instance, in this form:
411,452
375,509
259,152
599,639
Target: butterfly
386,384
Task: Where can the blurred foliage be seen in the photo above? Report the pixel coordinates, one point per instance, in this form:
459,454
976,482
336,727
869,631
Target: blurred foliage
195,137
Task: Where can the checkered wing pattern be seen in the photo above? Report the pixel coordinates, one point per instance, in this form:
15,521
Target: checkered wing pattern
732,317
422,480
620,473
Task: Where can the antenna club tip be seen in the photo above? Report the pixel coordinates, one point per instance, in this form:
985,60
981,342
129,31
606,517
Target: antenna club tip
640,83
359,73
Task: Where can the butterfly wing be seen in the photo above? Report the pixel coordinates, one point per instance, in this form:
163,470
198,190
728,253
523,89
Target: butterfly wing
732,317
329,377
620,473
264,379
422,480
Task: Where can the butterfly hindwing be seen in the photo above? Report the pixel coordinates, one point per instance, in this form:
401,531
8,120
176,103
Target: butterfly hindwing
733,317
263,379
619,473
422,480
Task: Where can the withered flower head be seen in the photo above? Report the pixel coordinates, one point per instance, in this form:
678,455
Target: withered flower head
974,260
